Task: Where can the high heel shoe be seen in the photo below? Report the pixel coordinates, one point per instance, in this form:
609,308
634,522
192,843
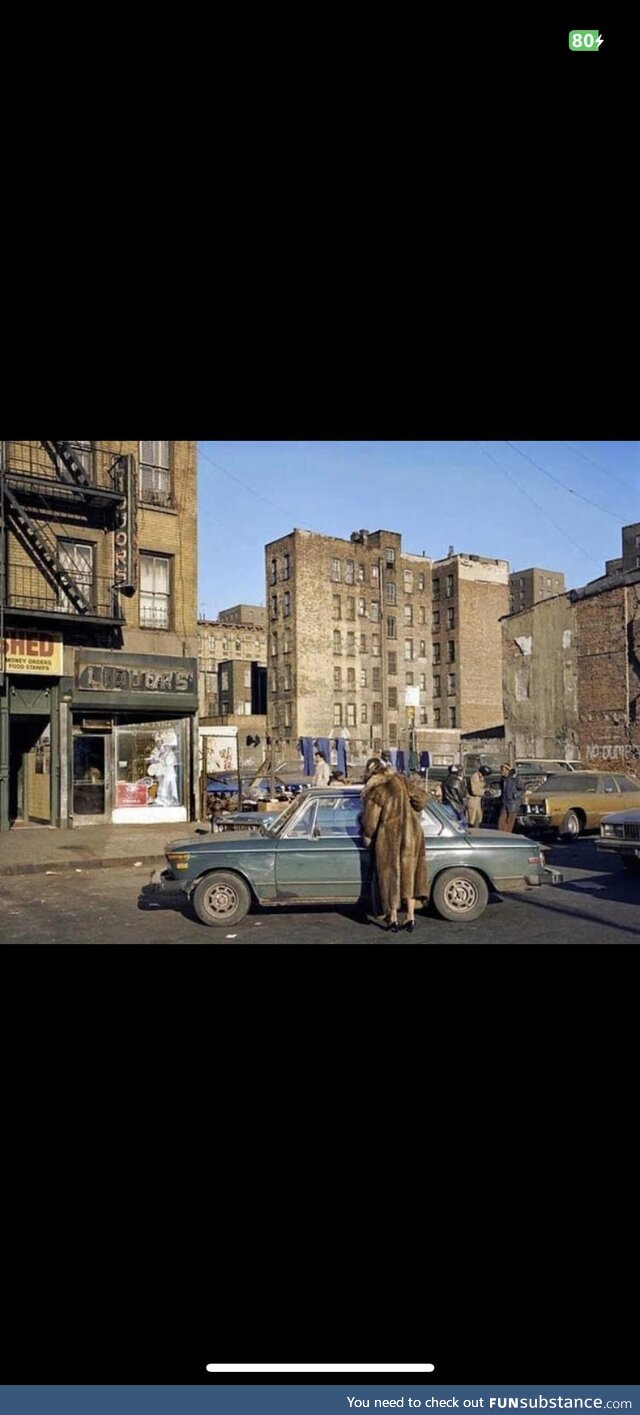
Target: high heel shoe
393,928
410,925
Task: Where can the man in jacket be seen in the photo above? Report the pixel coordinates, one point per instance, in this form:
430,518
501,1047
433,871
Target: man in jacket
323,771
474,798
453,793
510,797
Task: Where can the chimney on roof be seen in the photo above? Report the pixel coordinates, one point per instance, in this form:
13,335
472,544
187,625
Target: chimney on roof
450,552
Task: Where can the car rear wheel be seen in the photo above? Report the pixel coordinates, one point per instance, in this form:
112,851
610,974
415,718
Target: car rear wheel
221,898
460,894
571,826
631,864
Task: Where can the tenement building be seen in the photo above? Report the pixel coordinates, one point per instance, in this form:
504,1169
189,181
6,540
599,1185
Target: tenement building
231,649
527,587
470,596
349,641
98,669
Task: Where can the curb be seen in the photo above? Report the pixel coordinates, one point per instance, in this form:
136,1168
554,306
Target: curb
66,867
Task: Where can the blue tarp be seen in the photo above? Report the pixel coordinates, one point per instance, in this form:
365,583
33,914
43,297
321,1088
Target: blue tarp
342,755
307,749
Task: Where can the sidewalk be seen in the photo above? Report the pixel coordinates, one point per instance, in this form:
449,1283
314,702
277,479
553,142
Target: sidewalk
27,850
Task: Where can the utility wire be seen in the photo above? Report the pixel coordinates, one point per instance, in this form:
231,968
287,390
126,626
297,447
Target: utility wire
244,484
545,513
562,483
600,468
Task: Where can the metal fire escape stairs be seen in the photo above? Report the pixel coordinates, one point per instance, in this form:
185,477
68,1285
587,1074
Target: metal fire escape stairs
38,540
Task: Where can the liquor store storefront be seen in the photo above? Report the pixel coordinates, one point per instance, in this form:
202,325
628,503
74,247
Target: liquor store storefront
128,740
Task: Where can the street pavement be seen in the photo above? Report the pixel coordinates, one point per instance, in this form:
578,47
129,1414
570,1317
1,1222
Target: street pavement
598,903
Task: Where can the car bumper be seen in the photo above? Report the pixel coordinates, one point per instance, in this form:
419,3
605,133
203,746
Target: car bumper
163,880
620,847
545,875
531,822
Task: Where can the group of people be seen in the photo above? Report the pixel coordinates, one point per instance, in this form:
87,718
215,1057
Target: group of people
467,806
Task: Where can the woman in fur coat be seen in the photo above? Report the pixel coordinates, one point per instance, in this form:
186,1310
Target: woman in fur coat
390,822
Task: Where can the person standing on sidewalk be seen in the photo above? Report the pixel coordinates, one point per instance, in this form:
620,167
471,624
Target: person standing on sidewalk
391,825
323,772
510,797
453,794
474,797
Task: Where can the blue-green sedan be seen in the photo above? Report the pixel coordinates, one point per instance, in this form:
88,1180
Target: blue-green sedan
313,853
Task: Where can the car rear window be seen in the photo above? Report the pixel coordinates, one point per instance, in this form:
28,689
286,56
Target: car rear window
577,783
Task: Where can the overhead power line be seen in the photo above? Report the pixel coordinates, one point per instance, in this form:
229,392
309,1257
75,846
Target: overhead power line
562,483
251,489
598,466
543,509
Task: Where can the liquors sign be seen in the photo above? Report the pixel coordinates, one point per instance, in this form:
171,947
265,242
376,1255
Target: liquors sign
126,535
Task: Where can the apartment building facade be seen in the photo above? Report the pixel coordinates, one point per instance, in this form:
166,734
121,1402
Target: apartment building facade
349,641
98,632
230,649
470,594
528,587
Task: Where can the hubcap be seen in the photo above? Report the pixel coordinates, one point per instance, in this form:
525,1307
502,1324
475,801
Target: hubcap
461,895
572,826
221,899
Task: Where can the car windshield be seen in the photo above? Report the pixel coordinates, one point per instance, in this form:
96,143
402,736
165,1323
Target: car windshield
274,827
578,783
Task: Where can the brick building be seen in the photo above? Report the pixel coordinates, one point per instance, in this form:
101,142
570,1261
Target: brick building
98,686
470,596
230,645
349,633
527,587
572,670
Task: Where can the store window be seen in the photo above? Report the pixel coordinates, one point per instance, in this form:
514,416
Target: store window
155,582
150,771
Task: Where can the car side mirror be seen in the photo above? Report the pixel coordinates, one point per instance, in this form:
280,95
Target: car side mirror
316,833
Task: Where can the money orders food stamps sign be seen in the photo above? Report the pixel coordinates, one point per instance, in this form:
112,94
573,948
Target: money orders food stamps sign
32,652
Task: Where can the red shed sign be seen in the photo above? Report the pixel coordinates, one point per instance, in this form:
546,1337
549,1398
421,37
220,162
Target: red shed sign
32,652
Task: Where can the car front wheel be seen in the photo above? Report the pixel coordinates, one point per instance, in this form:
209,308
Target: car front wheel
221,898
460,894
571,826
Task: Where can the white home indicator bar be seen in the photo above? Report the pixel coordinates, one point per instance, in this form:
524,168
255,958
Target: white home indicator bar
351,1369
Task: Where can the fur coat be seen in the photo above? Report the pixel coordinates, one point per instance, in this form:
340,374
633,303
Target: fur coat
390,822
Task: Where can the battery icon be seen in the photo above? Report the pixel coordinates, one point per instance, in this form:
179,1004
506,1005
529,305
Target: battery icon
584,39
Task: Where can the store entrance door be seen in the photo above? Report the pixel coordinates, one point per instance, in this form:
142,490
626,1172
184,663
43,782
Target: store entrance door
90,780
30,770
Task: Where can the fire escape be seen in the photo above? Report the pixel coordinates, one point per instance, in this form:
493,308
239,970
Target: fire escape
43,484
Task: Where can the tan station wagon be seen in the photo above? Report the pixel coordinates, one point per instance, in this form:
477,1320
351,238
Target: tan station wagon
576,801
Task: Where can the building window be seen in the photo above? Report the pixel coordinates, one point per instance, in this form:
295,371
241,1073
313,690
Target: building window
436,717
422,615
286,567
436,589
274,606
393,697
77,558
392,661
224,680
274,683
363,643
409,679
287,714
351,714
225,645
349,572
451,651
155,581
362,606
408,648
452,717
376,715
423,649
451,684
408,581
212,644
451,619
390,557
375,645
435,620
238,646
287,678
247,677
351,644
363,677
361,570
393,734
351,680
274,643
392,632
390,592
408,614
274,571
337,714
351,607
157,745
436,653
423,682
337,607
337,678
337,641
363,712
421,581
155,484
449,591
335,569
375,574
287,602
377,680
436,685
286,643
375,609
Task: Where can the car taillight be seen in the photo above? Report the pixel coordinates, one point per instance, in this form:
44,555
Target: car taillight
534,859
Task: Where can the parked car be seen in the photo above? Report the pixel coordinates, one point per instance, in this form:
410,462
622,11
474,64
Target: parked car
570,804
620,833
313,853
534,772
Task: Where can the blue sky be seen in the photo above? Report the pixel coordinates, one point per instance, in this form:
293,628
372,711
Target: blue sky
491,502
